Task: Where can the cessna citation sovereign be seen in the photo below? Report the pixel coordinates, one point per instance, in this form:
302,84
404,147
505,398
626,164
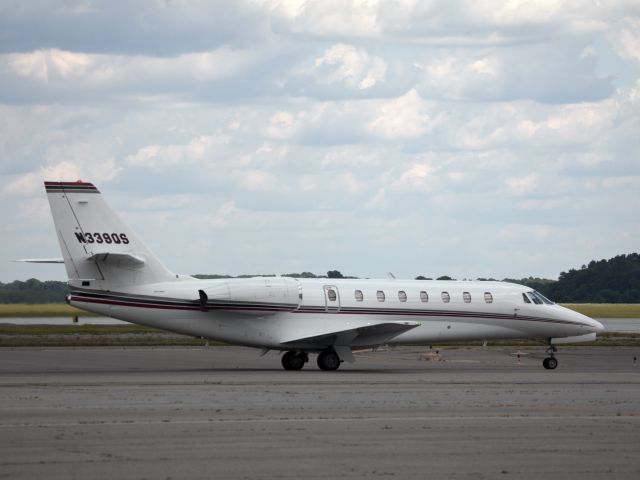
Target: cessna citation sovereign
111,272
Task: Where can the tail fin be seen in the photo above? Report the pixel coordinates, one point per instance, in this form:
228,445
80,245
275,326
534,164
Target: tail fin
99,250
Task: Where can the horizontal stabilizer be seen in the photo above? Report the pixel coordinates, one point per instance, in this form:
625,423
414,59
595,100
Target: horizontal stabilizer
40,260
365,336
121,259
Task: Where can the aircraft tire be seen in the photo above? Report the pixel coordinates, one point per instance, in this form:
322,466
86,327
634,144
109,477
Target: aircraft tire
293,360
328,360
550,363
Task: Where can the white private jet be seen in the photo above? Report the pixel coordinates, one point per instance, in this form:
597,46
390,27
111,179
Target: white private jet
112,273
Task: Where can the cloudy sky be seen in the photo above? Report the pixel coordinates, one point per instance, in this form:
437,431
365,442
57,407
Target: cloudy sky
468,138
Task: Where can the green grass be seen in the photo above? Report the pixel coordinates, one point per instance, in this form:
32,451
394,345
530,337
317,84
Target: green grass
91,336
100,341
606,310
77,330
41,310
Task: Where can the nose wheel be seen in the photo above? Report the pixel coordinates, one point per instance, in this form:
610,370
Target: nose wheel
550,363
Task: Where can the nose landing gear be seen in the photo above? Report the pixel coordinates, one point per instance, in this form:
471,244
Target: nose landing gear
550,363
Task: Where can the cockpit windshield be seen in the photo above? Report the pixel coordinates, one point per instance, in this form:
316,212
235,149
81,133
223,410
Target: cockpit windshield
538,298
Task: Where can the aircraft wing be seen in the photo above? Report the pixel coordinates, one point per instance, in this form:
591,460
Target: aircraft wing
365,336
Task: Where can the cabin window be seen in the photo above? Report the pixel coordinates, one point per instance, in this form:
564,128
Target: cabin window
380,295
467,297
488,297
402,296
525,298
331,295
446,298
359,296
424,296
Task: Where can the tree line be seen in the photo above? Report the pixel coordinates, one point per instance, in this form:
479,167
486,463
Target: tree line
616,280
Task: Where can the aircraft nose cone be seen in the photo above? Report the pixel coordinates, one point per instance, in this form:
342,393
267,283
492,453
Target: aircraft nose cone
599,328
594,325
588,322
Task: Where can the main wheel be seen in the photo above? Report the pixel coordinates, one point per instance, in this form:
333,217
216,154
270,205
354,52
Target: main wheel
293,360
550,363
328,360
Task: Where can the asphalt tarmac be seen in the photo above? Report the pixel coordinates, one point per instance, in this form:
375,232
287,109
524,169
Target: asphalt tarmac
225,412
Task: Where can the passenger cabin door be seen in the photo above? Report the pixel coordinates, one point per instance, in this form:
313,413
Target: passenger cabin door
331,299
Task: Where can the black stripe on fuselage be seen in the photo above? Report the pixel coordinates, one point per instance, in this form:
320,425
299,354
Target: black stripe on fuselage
458,314
161,303
147,301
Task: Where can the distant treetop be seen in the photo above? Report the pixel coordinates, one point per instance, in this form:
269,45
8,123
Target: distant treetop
445,277
334,274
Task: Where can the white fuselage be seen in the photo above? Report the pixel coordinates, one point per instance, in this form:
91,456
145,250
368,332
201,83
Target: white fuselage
112,272
280,312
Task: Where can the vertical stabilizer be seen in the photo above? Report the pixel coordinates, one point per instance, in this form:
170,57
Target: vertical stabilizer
99,250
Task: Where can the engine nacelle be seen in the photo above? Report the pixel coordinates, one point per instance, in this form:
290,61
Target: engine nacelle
272,293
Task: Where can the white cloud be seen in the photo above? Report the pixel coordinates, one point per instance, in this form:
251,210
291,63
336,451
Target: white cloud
459,74
414,177
220,218
78,167
330,17
348,182
354,67
622,182
403,117
282,125
199,149
507,124
51,65
327,122
165,202
522,185
83,70
266,155
525,232
258,180
627,39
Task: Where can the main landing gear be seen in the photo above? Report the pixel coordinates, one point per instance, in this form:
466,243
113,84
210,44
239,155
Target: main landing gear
294,360
550,363
328,360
